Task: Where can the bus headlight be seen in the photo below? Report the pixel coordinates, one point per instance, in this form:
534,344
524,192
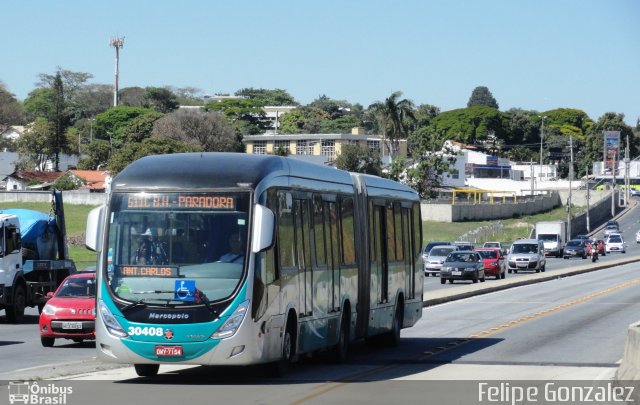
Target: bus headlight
110,322
232,324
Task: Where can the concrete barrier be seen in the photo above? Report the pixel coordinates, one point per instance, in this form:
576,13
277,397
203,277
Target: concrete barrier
630,367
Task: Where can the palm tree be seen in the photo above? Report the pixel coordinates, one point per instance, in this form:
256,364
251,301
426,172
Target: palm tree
392,116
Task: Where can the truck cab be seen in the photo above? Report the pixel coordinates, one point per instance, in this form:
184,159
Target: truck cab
33,257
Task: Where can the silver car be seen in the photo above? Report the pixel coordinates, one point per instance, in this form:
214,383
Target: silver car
437,255
526,254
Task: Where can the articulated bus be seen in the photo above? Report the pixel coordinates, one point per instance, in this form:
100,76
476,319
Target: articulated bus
237,259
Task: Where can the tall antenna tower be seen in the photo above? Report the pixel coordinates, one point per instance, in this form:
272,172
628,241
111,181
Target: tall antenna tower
117,43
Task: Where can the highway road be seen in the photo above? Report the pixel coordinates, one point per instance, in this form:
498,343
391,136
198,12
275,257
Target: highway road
570,328
560,331
629,225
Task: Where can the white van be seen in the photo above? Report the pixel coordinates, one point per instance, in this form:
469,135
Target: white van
526,254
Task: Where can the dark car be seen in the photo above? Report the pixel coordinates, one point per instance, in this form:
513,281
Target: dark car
575,248
462,265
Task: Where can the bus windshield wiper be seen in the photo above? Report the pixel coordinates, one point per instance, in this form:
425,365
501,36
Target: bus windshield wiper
206,302
142,301
134,304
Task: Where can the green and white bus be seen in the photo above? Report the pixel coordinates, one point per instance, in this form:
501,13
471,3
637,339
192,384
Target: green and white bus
325,257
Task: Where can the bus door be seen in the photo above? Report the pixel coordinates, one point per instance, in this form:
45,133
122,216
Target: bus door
379,262
305,274
322,274
407,247
331,232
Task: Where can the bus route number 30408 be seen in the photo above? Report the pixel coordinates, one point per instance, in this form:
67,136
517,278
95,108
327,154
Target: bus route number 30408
146,331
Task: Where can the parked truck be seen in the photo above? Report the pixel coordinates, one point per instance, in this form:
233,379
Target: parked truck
34,259
553,235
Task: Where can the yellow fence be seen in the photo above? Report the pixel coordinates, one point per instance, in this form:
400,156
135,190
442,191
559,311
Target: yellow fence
480,196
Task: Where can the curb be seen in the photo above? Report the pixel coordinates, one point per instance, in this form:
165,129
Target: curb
474,290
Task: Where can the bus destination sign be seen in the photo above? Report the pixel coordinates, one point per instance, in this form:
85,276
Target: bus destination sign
149,271
181,201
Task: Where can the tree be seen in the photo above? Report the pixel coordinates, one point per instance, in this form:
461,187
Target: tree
469,125
264,97
247,116
93,99
187,95
303,120
97,155
38,103
59,120
425,175
34,146
65,182
111,124
11,111
150,146
353,158
209,131
72,84
140,127
131,97
392,115
482,96
159,99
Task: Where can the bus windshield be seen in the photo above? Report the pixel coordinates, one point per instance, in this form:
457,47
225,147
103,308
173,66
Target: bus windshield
182,248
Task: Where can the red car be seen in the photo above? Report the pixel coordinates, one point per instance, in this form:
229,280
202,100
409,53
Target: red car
493,262
70,313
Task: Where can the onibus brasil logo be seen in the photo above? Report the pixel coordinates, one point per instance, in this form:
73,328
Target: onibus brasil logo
34,393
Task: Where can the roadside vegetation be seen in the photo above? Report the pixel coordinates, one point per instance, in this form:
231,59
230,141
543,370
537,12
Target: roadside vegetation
510,230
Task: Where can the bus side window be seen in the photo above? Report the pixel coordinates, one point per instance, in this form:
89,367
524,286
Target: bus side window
285,229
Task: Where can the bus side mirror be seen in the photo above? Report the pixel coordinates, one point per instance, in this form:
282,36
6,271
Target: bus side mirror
93,233
264,221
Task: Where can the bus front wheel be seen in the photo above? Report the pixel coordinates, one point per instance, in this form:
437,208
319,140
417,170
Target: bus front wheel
147,370
280,367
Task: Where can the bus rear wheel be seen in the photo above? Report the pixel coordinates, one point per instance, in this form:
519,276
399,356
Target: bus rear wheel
147,370
340,351
392,338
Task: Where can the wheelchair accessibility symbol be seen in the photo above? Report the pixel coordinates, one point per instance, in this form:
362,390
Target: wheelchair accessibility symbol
185,290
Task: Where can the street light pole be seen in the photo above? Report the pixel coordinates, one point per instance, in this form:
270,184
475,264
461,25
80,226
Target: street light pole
541,140
570,188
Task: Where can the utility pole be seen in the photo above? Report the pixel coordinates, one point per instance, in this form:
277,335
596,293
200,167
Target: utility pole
613,185
627,182
541,143
532,178
588,197
117,43
570,188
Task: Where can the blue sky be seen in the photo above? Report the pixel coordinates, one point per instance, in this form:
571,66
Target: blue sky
531,54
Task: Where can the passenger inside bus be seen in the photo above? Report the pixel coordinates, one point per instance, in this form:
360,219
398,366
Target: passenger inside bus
151,250
236,251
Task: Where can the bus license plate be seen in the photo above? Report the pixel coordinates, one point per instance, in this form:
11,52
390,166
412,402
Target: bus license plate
168,351
71,325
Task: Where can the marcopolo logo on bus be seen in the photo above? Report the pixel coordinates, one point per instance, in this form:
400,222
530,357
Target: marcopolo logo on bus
34,393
